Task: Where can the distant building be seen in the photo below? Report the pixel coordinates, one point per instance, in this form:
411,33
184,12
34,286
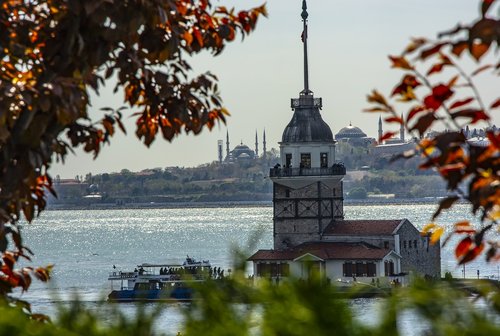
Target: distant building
241,153
392,146
354,137
310,232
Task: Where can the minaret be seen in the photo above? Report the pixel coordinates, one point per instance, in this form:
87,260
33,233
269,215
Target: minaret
256,145
380,131
219,149
264,149
307,188
227,145
402,130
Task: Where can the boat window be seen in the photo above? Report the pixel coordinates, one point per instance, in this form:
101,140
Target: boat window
360,269
371,269
347,269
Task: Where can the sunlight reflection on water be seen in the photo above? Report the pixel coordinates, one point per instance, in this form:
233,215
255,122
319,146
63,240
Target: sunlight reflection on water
84,244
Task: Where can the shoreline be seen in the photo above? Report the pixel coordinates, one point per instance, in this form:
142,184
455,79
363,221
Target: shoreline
231,204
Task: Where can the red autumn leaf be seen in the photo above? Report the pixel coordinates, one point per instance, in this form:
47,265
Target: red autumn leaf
423,123
414,111
435,69
448,169
414,45
495,104
477,50
453,81
431,51
445,204
458,48
376,109
432,103
485,5
461,103
474,114
376,97
386,136
463,247
464,227
197,35
472,254
394,120
408,81
440,93
400,62
494,138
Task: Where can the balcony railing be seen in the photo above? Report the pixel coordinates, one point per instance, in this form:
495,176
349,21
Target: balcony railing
336,169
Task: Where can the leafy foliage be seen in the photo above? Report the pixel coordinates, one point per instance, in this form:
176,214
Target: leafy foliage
471,171
54,52
237,306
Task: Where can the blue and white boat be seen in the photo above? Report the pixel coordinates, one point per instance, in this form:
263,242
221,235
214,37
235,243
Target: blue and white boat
161,282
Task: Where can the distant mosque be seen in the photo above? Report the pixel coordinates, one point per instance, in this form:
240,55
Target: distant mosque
241,153
357,139
354,136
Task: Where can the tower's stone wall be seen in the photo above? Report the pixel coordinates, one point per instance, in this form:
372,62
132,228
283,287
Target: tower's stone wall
301,215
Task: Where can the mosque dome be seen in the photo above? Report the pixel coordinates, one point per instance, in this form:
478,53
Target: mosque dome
242,151
307,126
350,132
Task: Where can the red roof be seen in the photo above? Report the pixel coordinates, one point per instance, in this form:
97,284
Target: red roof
362,227
325,251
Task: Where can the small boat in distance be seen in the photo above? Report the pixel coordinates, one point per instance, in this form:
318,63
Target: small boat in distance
161,282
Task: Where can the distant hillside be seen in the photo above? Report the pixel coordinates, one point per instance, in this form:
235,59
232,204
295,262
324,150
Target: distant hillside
235,182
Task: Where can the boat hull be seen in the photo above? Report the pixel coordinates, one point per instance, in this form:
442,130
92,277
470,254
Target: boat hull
180,294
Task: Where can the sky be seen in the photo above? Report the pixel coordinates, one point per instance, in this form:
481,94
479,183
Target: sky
349,42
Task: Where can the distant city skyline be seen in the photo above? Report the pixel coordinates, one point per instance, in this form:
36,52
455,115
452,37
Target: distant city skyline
348,48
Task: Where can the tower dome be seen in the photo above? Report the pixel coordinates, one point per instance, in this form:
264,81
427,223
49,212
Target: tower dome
306,124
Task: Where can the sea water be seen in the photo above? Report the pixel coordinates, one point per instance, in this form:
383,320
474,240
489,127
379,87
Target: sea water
84,245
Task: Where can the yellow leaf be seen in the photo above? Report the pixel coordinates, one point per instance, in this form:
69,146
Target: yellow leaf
428,227
438,232
494,214
429,150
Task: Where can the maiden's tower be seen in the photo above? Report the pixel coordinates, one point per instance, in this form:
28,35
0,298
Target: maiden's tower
308,218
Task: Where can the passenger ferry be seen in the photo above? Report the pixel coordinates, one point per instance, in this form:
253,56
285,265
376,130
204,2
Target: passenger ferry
161,282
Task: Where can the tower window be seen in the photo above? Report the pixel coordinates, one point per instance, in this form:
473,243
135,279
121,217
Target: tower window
305,160
288,160
287,193
323,160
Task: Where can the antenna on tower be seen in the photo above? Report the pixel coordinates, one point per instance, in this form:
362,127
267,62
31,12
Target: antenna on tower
304,16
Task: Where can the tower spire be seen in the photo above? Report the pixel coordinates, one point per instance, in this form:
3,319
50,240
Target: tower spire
402,130
380,131
264,149
256,145
304,16
227,144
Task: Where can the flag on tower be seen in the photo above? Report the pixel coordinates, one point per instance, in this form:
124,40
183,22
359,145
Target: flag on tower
303,36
